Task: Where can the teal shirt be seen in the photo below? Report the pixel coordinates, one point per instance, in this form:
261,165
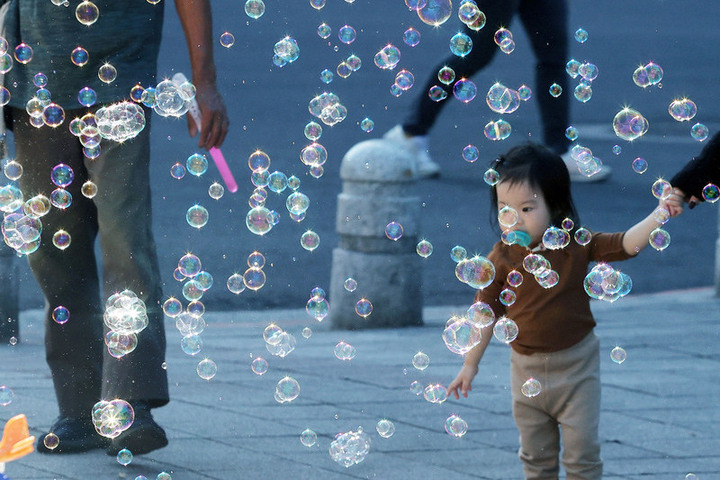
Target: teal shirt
126,35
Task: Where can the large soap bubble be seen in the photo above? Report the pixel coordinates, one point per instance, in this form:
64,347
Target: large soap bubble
629,124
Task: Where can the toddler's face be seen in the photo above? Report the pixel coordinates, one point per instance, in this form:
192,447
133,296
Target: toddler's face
533,215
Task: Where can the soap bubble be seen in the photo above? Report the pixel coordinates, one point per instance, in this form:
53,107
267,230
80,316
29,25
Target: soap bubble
470,153
394,231
254,278
363,307
6,395
324,31
411,37
639,165
555,90
196,164
206,369
350,448
531,388
197,216
699,132
435,12
113,417
456,426
344,351
424,248
287,390
420,361
317,308
458,253
491,177
435,393
385,428
87,97
711,193
347,34
507,216
120,121
177,171
350,284
470,15
259,366
437,94
478,272
308,438
583,236
465,90
460,44
254,8
367,125
462,334
661,189
60,315
79,56
571,133
107,73
51,441
404,80
61,239
581,35
87,12
124,457
286,51
388,57
505,330
555,238
618,355
258,220
583,92
682,109
629,124
191,344
480,313
53,115
446,75
310,240
507,297
588,71
659,239
499,130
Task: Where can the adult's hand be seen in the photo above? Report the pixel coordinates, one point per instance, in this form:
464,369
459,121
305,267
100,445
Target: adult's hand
215,120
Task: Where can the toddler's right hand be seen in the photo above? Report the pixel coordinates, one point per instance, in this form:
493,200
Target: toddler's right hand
463,381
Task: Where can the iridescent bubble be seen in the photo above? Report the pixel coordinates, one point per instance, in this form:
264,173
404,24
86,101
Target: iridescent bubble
659,239
324,31
524,93
87,13
216,191
87,97
481,314
385,428
317,308
654,73
256,260
711,193
411,37
107,73
172,307
196,164
581,35
491,177
507,216
227,39
458,254
312,131
416,387
699,132
197,216
572,67
189,265
347,34
191,344
344,351
23,53
51,441
310,240
258,220
583,92
420,361
6,395
588,71
287,390
507,46
618,355
113,417
306,332
456,426
640,77
499,130
460,44
235,283
555,238
435,12
446,75
367,125
353,62
62,175
682,109
259,161
661,189
61,239
502,34
326,76
415,4
297,203
124,457
507,297
629,124
388,57
286,51
571,133
254,278
470,14
61,198
254,8
435,393
259,366
53,115
79,56
464,90
437,94
555,90
206,369
350,448
531,388
424,248
60,315
363,307
350,284
470,153
308,438
505,330
639,165
462,333
404,80
394,231
317,4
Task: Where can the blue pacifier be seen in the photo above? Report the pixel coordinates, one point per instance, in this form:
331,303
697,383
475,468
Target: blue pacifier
522,238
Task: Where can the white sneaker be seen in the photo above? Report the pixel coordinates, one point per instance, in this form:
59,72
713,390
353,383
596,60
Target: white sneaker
418,147
576,176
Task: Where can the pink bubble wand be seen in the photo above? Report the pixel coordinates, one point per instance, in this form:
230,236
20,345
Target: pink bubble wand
216,154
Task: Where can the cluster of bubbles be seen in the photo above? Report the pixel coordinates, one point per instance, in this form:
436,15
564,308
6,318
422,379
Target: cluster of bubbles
113,417
287,390
603,282
587,163
317,306
388,57
168,98
539,266
350,448
344,351
462,333
21,232
328,108
253,278
285,51
120,121
456,426
648,75
404,80
277,341
477,272
471,15
684,110
629,124
125,316
196,281
585,73
504,39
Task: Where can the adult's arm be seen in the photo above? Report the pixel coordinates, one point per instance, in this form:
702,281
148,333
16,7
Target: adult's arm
701,170
196,19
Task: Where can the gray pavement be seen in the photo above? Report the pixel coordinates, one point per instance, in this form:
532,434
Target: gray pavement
659,408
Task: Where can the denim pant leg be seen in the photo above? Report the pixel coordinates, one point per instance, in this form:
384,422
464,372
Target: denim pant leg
66,277
425,111
129,260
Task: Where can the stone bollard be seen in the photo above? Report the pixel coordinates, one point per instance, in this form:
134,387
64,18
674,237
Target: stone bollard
377,178
9,297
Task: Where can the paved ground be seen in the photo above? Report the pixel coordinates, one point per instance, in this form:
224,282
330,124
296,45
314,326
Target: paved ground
659,407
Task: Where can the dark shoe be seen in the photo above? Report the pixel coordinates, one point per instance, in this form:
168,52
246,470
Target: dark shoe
73,435
143,436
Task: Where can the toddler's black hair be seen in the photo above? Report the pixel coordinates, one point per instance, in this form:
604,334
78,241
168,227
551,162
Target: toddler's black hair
543,169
